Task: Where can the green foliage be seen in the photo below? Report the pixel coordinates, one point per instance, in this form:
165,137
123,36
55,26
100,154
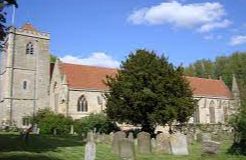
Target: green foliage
147,91
53,58
224,66
3,5
239,125
48,121
95,121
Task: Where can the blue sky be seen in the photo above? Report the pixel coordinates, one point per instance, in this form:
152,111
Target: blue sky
97,32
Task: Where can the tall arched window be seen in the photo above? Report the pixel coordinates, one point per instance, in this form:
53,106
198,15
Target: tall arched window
82,104
212,112
29,48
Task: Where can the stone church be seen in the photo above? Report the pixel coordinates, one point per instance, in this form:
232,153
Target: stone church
29,82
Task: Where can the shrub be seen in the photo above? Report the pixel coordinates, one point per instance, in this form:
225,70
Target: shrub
239,125
48,121
98,122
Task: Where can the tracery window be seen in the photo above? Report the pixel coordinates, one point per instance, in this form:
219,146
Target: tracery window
212,112
29,48
82,104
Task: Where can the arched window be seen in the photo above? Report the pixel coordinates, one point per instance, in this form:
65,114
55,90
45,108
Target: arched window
212,112
82,104
29,48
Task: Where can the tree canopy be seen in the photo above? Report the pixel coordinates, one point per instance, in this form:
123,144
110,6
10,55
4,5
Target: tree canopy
3,4
149,91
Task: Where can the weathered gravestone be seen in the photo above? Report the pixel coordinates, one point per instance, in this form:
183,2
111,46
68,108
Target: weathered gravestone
153,143
206,137
163,143
210,147
71,129
178,144
90,147
202,137
127,151
130,136
144,143
118,136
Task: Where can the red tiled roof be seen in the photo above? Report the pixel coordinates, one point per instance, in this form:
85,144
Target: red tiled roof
90,77
28,27
209,87
86,77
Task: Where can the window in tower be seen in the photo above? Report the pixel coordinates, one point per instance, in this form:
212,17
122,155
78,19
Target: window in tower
29,48
25,85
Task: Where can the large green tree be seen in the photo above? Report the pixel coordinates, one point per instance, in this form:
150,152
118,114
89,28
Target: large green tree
3,5
149,91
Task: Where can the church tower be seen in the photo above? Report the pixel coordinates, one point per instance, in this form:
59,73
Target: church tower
24,75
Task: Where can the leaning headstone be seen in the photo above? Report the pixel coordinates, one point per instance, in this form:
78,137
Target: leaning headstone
118,136
130,136
153,143
90,147
127,151
178,144
210,147
162,143
144,143
71,129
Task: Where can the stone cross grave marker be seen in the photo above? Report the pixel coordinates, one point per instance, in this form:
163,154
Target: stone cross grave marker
127,151
116,141
178,144
144,143
163,143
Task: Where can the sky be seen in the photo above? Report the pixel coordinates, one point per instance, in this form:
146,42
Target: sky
104,33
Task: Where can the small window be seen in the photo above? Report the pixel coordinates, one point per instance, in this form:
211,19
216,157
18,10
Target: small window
82,104
25,85
26,121
29,48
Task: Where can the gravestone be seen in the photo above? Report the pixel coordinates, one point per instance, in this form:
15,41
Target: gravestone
153,143
35,128
90,147
210,147
206,137
118,136
130,136
144,143
54,132
162,143
127,151
107,139
71,129
178,143
38,130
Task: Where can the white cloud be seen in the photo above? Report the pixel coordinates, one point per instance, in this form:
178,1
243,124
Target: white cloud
95,59
237,40
202,16
212,37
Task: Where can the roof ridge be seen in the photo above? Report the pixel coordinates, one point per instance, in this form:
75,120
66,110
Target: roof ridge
90,66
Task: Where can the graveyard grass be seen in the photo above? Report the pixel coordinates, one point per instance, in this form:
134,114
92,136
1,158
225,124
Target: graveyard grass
44,147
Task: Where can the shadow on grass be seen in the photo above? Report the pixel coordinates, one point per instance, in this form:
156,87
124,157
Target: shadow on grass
27,157
36,143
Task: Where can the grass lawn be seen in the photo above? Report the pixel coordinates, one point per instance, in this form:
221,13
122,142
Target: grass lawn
43,147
